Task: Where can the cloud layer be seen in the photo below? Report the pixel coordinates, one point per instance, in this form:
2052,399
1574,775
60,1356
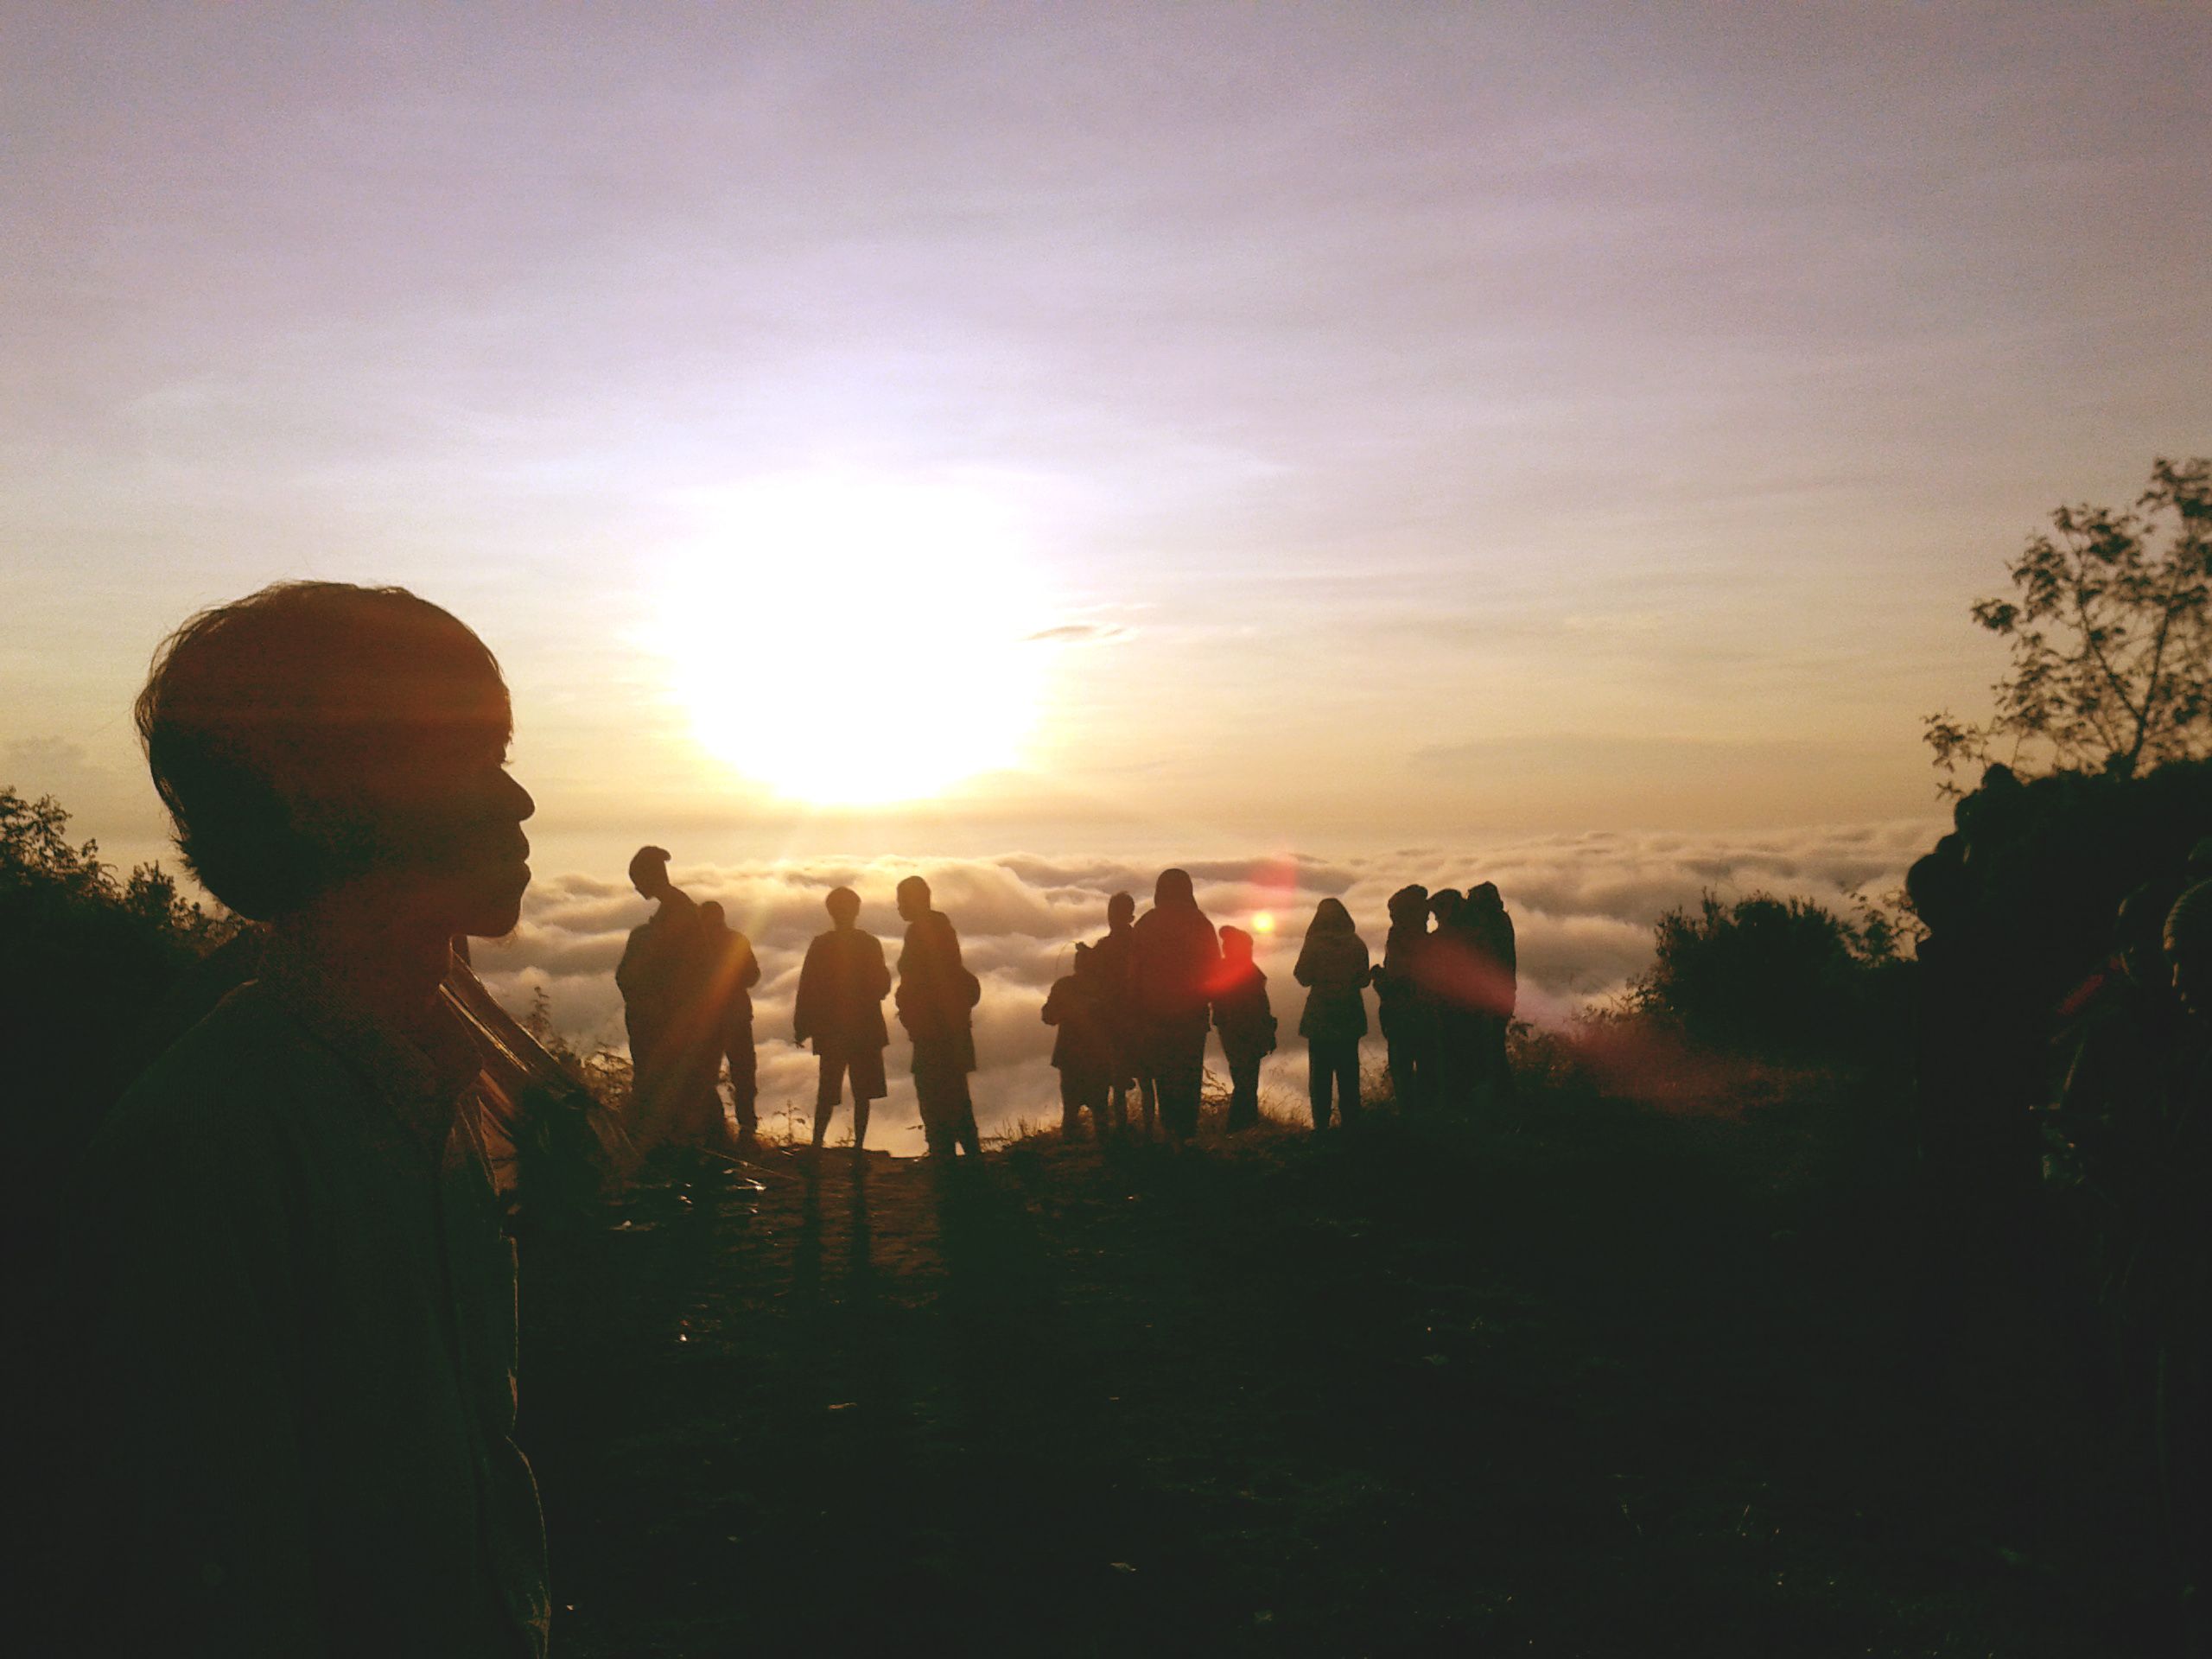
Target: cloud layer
1583,906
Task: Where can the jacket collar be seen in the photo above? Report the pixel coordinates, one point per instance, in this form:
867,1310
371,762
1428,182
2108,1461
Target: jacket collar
420,1077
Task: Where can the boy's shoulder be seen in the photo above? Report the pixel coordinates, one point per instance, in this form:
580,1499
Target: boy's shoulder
244,1062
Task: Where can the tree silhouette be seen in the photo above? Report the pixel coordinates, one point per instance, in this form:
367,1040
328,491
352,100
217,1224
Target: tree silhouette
2112,640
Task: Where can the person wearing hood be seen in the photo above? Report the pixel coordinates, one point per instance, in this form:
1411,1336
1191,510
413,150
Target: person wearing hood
1082,1053
1450,973
1246,1023
841,985
936,995
1332,964
1125,1026
1406,1012
1175,956
1496,963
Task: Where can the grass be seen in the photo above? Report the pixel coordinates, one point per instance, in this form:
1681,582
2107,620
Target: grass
1590,1378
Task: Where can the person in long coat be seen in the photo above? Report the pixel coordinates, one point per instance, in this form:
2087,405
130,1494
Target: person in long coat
1175,958
841,985
936,995
1333,966
1489,928
1083,1050
1450,972
1125,1021
1405,1007
1246,1023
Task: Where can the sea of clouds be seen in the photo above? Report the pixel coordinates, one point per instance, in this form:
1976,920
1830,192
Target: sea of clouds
1583,906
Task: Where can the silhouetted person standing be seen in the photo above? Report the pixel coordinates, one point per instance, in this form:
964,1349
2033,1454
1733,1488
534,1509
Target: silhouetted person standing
1174,959
1405,1007
1332,964
659,977
1246,1023
936,995
1083,1050
732,972
1125,1020
2177,1255
841,985
1452,976
302,1305
1496,961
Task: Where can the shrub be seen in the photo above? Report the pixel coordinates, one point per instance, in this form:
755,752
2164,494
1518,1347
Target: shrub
84,958
1770,976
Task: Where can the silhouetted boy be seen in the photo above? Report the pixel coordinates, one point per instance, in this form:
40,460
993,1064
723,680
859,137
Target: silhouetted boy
1332,964
1174,959
1125,1020
306,1304
841,985
1246,1023
935,994
1083,1050
732,972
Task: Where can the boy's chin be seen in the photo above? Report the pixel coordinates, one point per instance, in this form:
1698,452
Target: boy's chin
495,910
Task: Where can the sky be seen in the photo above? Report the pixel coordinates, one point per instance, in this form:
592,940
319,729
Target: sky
1139,431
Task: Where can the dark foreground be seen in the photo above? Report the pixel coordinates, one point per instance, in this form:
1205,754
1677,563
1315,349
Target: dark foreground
1605,1382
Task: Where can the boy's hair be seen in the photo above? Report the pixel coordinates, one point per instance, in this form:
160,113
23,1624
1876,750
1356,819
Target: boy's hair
842,904
281,728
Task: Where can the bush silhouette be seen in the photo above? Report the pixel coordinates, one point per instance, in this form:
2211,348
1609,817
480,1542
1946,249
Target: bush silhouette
84,958
1763,976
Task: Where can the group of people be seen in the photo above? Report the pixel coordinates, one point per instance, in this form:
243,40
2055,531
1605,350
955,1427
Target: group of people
1132,1018
1133,1015
686,979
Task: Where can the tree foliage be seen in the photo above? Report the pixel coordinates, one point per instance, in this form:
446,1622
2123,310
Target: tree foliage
2111,632
85,955
1768,976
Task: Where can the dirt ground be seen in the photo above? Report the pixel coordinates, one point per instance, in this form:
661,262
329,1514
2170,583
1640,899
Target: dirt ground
1596,1381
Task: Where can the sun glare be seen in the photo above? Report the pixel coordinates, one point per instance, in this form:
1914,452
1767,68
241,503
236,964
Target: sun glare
849,640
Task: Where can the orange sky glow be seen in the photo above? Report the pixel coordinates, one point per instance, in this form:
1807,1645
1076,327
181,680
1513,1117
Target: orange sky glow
886,428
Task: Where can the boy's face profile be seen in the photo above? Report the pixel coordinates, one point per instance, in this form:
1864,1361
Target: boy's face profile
458,813
320,743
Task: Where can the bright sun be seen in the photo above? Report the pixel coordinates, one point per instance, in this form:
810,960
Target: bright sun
846,639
